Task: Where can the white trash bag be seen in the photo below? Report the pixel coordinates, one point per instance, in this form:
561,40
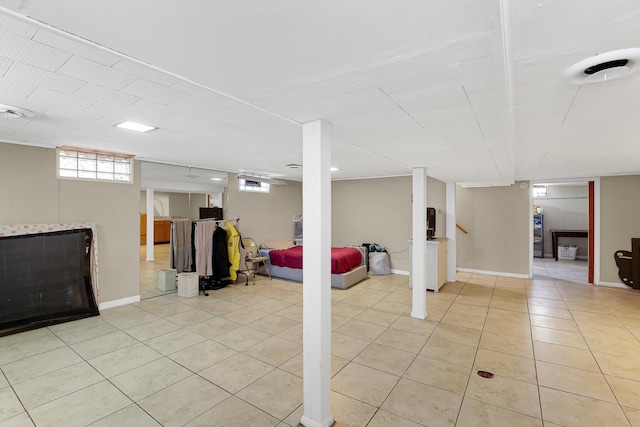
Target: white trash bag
379,263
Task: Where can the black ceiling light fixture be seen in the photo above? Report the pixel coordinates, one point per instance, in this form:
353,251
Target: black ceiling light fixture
604,66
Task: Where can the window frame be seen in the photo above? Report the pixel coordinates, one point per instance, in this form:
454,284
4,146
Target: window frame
130,161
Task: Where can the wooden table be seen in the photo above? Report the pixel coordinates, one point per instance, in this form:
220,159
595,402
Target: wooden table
556,234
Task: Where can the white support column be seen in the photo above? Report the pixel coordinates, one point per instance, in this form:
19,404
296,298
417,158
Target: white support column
419,253
149,224
316,286
451,232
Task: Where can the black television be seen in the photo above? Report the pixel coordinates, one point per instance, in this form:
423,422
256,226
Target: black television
431,223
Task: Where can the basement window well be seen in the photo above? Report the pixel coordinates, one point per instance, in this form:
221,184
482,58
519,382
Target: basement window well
76,163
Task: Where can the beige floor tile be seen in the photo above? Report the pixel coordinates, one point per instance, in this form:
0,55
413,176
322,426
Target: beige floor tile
20,420
508,316
626,391
545,302
274,350
506,365
273,324
362,300
174,341
387,359
40,364
241,338
293,312
124,359
349,412
619,366
633,415
145,380
506,393
588,307
457,334
586,318
293,334
365,384
295,365
541,310
440,374
482,301
345,346
386,419
26,344
475,413
82,407
182,402
83,329
416,326
234,412
626,347
468,309
448,351
423,404
202,355
132,319
347,310
151,329
512,329
402,340
463,320
567,356
104,344
573,380
554,323
3,381
10,405
271,305
391,306
189,318
214,327
520,307
511,345
131,416
363,330
572,410
236,372
554,336
287,388
378,317
338,320
45,388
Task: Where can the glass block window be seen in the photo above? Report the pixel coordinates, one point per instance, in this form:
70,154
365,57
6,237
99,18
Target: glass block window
74,163
251,185
539,191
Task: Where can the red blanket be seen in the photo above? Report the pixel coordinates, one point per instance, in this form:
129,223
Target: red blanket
342,259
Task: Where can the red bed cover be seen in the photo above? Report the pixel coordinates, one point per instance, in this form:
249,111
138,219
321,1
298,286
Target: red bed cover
342,259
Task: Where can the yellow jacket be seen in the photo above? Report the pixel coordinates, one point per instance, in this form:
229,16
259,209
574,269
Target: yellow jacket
233,249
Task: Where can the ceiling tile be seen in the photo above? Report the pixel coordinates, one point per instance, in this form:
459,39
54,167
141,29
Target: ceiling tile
110,97
146,72
153,92
96,73
77,47
41,56
16,26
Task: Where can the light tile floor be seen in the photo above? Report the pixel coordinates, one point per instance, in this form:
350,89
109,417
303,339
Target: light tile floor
563,353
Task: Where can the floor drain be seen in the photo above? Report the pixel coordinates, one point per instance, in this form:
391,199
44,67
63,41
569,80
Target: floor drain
485,374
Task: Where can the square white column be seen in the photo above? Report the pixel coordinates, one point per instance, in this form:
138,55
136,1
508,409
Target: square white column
419,252
149,225
451,232
316,262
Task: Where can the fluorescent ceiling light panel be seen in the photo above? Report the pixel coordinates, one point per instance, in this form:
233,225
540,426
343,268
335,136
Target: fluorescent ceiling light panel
334,169
135,126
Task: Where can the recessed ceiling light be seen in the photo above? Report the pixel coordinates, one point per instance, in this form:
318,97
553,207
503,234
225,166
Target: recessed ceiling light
14,112
215,179
333,169
135,126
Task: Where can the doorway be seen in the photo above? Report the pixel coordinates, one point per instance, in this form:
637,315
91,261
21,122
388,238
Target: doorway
563,206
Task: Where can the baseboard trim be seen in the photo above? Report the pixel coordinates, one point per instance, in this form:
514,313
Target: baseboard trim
614,285
493,273
401,272
119,302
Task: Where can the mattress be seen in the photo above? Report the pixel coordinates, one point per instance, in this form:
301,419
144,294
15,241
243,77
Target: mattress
342,259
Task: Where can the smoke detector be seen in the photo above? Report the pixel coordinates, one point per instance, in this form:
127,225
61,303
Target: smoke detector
14,112
604,67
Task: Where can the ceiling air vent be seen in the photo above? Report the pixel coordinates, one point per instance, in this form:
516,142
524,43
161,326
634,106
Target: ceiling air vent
605,66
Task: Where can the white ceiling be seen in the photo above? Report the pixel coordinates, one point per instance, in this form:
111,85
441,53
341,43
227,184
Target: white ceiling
473,90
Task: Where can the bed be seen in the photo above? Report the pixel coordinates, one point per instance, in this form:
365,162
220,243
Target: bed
347,264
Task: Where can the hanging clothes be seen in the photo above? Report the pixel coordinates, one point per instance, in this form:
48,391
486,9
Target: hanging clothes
233,249
220,255
203,243
181,245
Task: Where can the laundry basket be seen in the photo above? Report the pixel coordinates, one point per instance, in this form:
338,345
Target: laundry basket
567,252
